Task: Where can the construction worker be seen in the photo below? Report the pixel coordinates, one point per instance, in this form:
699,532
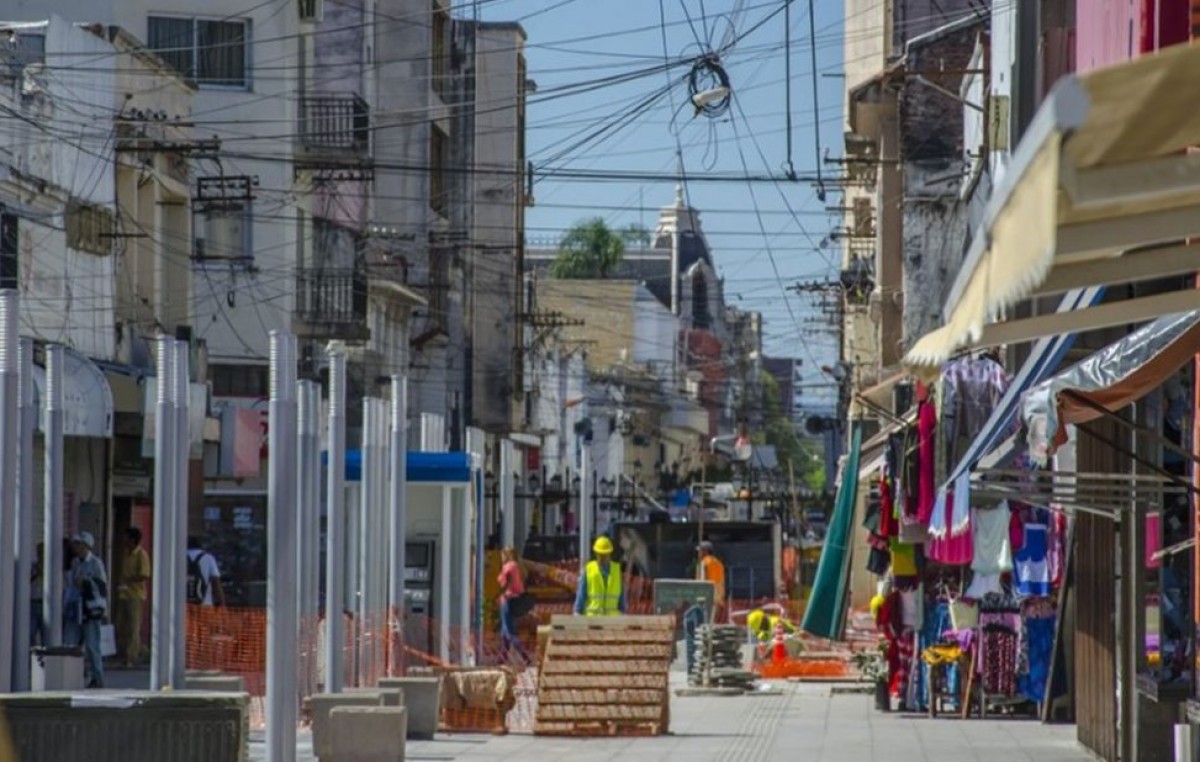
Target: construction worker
763,624
712,570
600,592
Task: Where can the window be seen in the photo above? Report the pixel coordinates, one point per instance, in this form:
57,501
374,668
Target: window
222,219
89,228
211,52
9,246
238,380
438,187
440,44
19,51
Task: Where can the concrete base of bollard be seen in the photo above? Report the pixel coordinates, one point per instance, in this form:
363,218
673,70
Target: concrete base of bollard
219,683
422,699
367,734
391,696
322,705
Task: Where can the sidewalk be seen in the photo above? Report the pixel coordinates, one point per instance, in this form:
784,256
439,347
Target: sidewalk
800,721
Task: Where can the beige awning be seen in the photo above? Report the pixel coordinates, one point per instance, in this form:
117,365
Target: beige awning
1096,192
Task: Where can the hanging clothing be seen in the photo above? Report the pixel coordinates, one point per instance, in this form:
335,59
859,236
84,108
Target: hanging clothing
1032,566
904,559
1037,647
944,546
888,526
989,527
983,585
926,433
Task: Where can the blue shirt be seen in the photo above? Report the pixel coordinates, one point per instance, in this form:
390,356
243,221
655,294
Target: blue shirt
582,593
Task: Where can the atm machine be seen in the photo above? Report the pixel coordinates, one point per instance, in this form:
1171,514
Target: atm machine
419,578
441,515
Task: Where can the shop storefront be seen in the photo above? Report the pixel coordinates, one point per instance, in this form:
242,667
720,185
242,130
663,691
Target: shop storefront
1096,209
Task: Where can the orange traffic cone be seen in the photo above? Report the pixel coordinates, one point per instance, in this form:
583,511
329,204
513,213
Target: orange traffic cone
778,650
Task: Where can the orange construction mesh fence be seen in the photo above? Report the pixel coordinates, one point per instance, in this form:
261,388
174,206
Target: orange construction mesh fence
233,641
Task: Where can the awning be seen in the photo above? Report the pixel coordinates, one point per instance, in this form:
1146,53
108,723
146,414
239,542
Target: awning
878,397
1108,495
1092,186
422,467
1110,379
87,397
825,615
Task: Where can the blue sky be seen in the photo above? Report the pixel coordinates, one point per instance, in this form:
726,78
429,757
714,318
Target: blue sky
625,36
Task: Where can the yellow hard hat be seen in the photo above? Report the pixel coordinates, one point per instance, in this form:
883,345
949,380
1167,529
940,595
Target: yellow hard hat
754,620
603,546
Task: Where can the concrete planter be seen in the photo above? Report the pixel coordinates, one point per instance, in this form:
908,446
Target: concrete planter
392,697
322,705
129,726
367,734
422,699
217,683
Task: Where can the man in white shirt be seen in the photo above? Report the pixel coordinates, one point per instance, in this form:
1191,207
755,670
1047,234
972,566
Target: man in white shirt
90,578
204,586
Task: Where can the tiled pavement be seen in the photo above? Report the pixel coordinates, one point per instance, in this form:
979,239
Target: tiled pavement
798,722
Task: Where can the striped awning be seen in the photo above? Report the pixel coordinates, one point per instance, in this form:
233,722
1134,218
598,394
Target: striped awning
1096,194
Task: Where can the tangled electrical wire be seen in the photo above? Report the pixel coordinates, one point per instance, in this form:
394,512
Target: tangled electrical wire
708,87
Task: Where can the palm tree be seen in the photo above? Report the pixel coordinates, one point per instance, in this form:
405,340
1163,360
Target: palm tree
590,249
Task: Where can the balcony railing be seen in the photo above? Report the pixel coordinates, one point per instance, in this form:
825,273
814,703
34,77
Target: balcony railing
335,126
331,303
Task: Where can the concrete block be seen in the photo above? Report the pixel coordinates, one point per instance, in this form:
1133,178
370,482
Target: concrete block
367,734
422,699
218,683
391,696
322,704
128,726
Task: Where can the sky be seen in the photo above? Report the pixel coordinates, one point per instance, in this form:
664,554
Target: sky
758,254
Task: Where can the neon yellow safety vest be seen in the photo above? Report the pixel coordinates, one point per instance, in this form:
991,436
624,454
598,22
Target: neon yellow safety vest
603,595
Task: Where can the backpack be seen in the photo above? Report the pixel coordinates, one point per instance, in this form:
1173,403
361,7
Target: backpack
197,586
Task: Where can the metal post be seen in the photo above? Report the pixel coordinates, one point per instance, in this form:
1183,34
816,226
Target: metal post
52,428
162,576
10,376
398,515
506,484
281,552
335,524
306,425
382,540
585,507
312,607
366,545
178,555
27,417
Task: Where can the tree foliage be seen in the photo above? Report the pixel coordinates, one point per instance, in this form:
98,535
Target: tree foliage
792,450
636,235
590,249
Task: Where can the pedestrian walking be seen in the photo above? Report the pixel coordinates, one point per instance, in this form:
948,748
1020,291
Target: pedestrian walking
204,586
90,579
600,591
131,597
712,569
72,603
38,633
512,598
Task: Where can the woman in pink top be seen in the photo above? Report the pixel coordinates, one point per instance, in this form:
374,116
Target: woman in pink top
512,584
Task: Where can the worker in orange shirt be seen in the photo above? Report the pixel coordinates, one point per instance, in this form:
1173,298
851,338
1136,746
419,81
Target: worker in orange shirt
712,570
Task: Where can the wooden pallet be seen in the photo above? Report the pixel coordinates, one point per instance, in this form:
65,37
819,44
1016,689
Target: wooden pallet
606,676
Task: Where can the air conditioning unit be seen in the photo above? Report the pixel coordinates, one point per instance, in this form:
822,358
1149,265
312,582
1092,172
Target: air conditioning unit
312,11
